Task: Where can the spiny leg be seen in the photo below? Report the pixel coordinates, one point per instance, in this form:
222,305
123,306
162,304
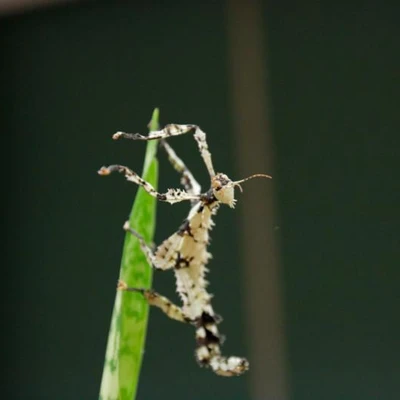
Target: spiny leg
175,130
167,255
155,299
151,258
187,179
146,249
171,196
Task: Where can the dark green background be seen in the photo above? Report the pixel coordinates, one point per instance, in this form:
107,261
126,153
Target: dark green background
73,75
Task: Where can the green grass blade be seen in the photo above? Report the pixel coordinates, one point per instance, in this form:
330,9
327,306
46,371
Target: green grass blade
127,334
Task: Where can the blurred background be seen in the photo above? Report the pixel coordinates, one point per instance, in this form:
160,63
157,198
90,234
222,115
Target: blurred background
305,269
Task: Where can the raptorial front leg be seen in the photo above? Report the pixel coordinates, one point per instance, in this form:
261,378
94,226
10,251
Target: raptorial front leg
187,179
176,130
171,196
170,309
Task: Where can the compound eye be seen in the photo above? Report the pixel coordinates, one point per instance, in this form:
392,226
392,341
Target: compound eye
218,186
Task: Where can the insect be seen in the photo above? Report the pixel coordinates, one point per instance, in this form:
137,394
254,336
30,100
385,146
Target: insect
185,251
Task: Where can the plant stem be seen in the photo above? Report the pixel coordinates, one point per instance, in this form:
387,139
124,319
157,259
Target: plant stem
127,334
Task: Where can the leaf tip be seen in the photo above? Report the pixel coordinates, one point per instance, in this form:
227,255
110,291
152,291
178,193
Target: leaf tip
153,124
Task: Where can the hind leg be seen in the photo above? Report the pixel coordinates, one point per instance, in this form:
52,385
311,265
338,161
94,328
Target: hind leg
170,309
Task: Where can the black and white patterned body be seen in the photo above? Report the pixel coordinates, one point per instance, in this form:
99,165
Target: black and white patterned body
185,251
